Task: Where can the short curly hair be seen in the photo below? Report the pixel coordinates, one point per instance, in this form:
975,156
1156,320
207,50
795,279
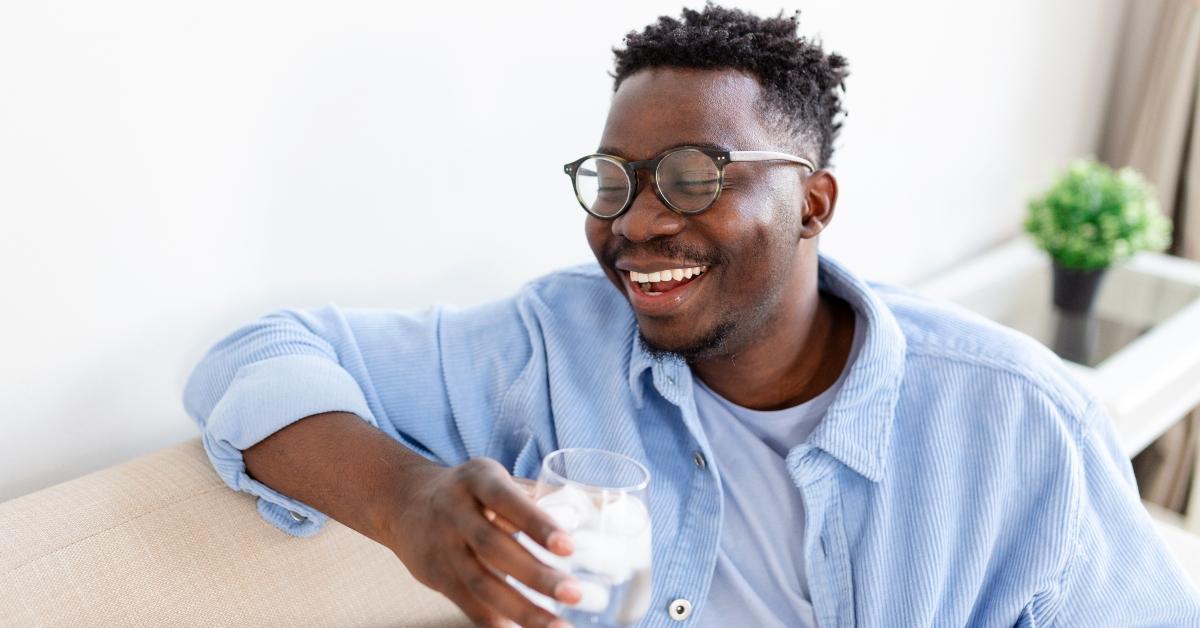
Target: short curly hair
803,85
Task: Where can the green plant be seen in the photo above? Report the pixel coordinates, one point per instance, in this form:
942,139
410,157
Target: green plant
1094,217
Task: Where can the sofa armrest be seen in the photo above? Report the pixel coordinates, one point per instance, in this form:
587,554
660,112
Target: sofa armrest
161,541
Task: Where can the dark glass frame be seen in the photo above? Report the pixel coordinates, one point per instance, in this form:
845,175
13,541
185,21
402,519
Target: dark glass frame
721,158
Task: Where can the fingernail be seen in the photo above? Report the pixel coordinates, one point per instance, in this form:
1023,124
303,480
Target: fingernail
558,623
567,591
560,543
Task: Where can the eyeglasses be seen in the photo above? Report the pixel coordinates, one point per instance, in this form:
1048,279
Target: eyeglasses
687,179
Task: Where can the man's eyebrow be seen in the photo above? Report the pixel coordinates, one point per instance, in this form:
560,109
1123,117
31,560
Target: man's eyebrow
612,150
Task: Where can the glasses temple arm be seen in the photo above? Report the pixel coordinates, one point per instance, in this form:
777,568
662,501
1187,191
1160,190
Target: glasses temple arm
767,155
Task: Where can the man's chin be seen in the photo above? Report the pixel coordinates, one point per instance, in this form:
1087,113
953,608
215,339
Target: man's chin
695,347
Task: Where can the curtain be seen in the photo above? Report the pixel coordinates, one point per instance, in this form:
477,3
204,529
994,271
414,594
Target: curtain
1153,125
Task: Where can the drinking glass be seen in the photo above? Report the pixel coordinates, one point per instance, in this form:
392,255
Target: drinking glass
600,499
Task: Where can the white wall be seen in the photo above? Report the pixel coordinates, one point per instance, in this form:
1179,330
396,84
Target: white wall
171,169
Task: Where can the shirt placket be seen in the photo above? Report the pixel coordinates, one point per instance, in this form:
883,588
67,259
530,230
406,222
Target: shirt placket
827,552
694,555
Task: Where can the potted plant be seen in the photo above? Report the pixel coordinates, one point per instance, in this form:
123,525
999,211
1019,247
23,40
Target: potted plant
1092,218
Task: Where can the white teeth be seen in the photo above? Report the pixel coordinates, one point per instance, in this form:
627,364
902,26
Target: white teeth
674,274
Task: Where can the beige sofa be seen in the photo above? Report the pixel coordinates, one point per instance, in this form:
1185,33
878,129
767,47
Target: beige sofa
160,541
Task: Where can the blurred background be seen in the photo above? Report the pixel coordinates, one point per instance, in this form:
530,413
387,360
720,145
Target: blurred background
170,170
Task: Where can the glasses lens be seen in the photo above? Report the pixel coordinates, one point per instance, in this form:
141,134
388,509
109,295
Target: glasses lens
602,185
689,179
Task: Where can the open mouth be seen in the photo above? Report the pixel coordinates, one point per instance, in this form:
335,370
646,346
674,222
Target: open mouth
661,282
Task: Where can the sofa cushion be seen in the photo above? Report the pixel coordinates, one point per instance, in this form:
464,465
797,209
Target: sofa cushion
161,541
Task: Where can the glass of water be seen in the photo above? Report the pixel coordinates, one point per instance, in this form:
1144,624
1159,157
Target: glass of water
600,498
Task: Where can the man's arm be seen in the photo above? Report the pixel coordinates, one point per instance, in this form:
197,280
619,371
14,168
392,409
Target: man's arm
381,448
432,517
1120,573
390,369
340,465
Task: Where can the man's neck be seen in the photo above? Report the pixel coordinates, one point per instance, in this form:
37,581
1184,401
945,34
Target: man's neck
799,357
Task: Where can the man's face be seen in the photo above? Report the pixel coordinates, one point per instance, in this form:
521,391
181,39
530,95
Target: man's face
749,239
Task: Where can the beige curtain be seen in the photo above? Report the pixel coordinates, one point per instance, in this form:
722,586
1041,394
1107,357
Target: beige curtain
1153,125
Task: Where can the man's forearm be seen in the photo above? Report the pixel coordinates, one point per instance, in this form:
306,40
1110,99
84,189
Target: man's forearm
342,466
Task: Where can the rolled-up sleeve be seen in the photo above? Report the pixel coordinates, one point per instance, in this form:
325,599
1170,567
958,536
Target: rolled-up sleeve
257,381
263,398
390,368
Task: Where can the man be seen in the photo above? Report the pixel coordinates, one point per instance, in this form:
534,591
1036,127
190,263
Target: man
823,451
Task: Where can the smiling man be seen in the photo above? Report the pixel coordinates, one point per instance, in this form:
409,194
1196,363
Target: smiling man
824,451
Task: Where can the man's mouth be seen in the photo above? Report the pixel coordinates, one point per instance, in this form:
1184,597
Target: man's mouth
656,283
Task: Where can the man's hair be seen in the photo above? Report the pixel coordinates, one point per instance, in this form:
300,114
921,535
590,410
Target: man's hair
802,84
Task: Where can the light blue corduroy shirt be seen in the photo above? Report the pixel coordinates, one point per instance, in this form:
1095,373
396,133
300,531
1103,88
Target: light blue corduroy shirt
960,476
760,579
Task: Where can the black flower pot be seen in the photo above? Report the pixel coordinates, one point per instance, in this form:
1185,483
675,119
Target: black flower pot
1075,290
1075,297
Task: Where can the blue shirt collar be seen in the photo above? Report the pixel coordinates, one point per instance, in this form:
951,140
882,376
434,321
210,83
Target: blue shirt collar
858,425
667,374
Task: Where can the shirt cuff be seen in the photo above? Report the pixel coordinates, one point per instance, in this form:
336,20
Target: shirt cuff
263,398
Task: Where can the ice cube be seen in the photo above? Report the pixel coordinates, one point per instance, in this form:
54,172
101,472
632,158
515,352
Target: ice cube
624,515
613,557
566,516
637,599
595,596
570,507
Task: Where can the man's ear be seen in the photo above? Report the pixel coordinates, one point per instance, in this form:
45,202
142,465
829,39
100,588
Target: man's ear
820,197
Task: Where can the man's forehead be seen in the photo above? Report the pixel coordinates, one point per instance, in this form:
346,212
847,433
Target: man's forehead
659,108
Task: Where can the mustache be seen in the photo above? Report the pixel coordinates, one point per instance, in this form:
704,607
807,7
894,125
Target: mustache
660,248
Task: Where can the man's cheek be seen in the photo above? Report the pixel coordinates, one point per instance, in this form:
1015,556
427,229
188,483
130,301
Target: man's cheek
595,240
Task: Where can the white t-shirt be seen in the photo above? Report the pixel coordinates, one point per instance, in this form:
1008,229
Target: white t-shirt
760,578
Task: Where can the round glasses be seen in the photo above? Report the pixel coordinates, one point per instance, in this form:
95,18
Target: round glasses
687,179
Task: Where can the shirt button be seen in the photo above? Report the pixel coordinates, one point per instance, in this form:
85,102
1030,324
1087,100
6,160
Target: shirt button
698,458
680,609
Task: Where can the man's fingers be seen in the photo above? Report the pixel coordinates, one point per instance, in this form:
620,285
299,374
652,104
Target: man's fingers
508,500
506,555
529,486
500,522
479,613
502,599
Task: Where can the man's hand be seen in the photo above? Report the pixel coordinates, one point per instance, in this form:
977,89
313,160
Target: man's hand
452,527
454,535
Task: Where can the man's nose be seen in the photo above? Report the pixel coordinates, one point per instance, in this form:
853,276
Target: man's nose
647,217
